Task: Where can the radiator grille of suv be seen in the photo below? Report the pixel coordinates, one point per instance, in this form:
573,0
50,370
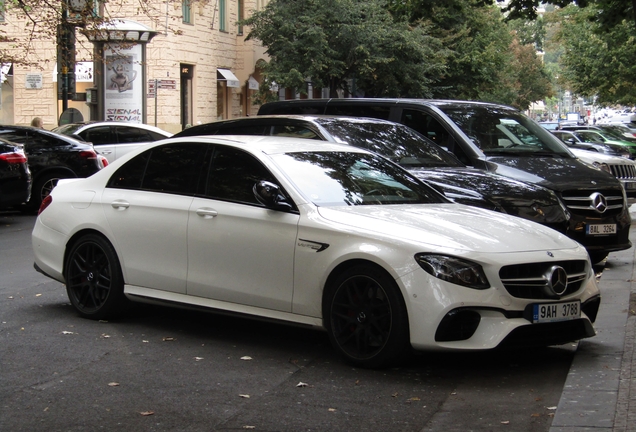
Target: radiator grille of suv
531,281
590,202
624,172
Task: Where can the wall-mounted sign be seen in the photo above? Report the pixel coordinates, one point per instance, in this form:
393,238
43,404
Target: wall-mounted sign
33,81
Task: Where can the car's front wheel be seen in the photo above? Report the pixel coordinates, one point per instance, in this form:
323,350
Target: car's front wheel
366,318
94,281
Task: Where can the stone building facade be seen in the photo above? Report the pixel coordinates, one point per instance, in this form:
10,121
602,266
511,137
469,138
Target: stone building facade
198,50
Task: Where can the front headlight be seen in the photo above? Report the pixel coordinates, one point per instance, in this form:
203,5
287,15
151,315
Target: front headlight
603,167
454,270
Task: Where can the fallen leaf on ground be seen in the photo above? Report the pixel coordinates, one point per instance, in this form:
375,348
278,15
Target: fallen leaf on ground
249,427
244,396
332,409
505,422
552,408
168,339
198,358
38,295
113,384
67,332
246,358
147,413
302,384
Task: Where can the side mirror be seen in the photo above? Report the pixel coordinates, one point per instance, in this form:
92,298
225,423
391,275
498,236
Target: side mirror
269,194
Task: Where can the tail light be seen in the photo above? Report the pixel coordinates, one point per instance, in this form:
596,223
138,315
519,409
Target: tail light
13,158
45,203
88,154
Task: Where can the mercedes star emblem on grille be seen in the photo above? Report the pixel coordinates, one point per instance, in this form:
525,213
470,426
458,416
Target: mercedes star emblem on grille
599,202
557,280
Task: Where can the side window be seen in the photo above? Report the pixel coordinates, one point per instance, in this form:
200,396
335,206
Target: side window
127,134
14,136
174,168
98,135
294,131
359,110
431,128
233,175
242,130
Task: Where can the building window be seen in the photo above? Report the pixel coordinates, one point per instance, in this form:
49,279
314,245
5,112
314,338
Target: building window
2,10
222,15
187,11
241,15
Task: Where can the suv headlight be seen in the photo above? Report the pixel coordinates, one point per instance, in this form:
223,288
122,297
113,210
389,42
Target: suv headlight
603,167
454,270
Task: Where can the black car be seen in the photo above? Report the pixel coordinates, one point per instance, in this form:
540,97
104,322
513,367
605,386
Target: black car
414,152
15,177
501,139
51,157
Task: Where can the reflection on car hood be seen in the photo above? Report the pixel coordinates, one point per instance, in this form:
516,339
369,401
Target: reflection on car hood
468,182
449,226
553,172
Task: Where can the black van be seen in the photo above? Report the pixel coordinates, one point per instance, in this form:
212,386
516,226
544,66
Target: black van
501,139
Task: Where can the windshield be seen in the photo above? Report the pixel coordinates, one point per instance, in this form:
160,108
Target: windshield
502,131
351,179
396,142
68,129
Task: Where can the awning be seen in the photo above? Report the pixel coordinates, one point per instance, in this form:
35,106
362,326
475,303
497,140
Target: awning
227,75
252,83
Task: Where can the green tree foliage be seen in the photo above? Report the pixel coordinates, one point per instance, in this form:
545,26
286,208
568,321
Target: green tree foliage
332,42
598,62
489,59
610,13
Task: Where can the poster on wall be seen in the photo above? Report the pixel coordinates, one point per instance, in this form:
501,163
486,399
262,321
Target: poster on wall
123,86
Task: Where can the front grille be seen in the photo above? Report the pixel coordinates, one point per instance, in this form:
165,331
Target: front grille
624,172
586,202
531,281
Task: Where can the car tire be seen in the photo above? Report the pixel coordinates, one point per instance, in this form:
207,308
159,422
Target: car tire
366,318
41,189
94,280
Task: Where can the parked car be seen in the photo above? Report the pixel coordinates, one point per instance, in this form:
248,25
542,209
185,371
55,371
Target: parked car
113,139
412,151
617,131
332,236
600,136
575,140
51,157
622,168
15,177
502,140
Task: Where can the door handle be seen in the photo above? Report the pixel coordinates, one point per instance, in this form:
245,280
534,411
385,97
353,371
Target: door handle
207,213
120,205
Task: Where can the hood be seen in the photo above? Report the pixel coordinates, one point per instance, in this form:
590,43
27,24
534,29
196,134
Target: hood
592,156
454,226
556,173
479,188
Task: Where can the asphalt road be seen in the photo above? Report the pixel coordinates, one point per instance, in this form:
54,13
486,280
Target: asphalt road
161,369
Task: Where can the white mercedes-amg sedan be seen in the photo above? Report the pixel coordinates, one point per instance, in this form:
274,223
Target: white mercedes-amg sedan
311,233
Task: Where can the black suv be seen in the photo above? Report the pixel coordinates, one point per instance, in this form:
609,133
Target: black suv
501,139
15,177
51,157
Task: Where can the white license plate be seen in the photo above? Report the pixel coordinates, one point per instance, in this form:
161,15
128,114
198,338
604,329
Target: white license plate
551,312
600,229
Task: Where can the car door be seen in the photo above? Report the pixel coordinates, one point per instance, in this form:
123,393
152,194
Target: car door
238,250
128,138
103,139
146,203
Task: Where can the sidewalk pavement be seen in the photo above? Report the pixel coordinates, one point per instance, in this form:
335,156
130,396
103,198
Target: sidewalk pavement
600,390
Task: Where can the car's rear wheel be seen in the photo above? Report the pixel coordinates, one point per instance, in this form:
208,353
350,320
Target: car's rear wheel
94,280
41,189
366,318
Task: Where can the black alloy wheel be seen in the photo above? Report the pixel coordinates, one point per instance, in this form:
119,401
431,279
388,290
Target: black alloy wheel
366,317
94,280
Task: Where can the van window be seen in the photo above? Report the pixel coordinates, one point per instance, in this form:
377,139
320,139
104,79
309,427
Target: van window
359,110
431,128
